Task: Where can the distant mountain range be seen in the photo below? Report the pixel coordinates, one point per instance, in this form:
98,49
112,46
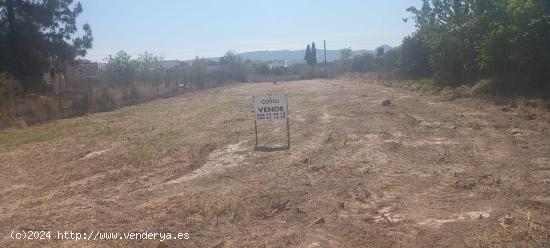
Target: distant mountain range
298,55
290,56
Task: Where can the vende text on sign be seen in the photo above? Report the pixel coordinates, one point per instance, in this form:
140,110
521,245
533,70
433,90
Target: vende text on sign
271,107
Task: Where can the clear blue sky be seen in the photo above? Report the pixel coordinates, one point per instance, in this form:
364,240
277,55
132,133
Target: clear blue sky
183,29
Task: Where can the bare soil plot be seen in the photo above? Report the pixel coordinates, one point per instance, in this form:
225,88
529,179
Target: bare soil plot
421,172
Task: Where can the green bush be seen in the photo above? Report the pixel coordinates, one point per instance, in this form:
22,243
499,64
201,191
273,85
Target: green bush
8,90
363,63
484,86
8,87
262,69
232,68
461,42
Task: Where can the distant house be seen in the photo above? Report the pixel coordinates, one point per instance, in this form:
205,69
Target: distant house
277,64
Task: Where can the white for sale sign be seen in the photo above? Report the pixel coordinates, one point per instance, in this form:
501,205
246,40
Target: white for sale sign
271,107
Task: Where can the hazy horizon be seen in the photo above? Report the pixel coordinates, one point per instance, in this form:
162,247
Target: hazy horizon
184,30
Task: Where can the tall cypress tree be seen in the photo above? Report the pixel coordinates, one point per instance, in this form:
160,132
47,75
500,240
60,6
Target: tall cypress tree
307,58
313,54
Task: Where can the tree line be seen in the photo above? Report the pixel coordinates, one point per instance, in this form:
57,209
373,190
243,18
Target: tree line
123,70
456,42
460,42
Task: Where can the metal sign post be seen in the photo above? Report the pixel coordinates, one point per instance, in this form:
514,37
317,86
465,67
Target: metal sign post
255,125
270,108
287,124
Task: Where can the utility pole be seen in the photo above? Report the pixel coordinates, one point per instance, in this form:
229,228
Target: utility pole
325,46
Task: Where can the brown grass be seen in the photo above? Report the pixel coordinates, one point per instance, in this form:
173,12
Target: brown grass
520,229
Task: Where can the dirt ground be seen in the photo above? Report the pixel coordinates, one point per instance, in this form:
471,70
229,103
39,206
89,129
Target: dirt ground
425,171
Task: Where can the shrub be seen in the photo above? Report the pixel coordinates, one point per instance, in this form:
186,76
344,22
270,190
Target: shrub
232,68
363,63
8,90
484,86
262,69
106,99
38,109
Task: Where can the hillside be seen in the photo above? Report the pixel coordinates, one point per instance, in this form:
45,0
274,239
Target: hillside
298,55
294,55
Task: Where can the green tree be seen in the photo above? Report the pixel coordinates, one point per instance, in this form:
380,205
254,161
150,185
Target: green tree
149,68
8,90
344,64
198,75
452,29
379,52
471,39
307,58
121,69
414,57
35,35
364,63
262,69
313,54
346,53
517,43
232,68
390,60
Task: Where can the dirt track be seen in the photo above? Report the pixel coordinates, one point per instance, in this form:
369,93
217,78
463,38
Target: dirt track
422,172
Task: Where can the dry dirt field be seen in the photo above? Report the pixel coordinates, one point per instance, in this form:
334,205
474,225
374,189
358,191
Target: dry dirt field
425,171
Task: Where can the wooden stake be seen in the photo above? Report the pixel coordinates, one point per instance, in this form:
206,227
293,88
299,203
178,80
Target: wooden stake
255,134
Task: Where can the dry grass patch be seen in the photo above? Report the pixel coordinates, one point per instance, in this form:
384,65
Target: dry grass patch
14,136
203,209
139,110
522,229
